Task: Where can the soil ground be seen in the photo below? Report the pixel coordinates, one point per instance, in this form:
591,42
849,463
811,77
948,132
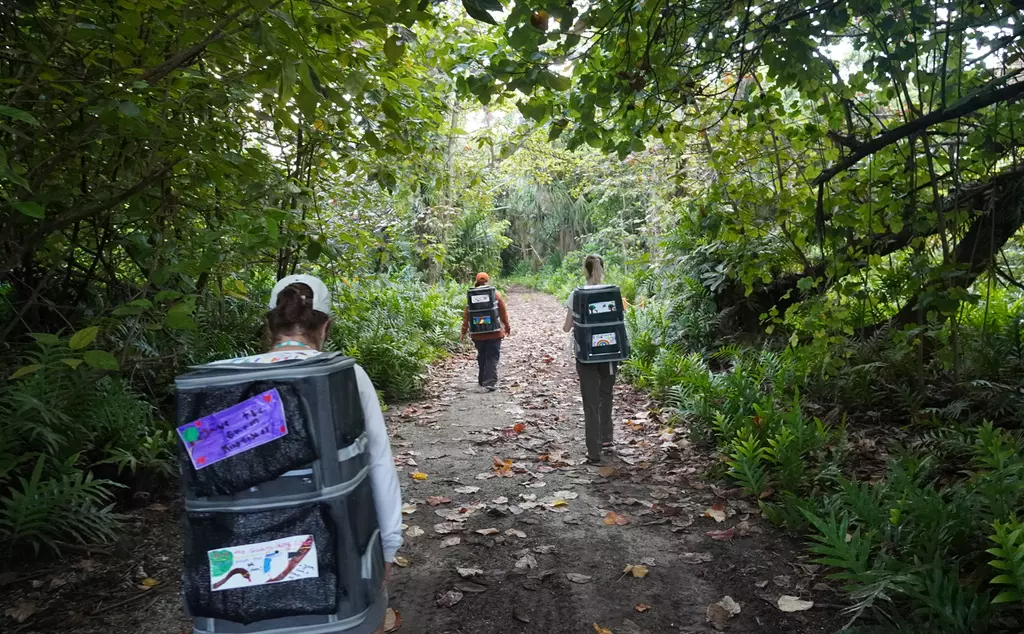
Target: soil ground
505,476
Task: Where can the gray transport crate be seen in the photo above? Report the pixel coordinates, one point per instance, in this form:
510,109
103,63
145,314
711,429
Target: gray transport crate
282,537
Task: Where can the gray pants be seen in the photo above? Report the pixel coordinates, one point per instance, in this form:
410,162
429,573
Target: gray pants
596,383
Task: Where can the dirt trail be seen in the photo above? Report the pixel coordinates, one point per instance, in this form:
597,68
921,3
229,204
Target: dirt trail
561,506
453,435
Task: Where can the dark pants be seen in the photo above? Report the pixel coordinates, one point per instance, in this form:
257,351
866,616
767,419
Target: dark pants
488,352
596,383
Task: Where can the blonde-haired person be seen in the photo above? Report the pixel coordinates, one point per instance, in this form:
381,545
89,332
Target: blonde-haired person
597,380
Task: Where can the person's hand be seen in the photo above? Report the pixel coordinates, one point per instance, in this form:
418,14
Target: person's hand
508,332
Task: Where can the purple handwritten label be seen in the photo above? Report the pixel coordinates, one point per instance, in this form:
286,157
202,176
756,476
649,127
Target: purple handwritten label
234,430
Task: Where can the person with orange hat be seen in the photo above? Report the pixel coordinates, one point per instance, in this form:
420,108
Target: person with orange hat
486,332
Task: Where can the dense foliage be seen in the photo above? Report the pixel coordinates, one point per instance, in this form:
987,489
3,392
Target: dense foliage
813,209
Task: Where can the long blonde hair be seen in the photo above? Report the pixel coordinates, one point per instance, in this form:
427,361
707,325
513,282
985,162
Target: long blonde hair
594,266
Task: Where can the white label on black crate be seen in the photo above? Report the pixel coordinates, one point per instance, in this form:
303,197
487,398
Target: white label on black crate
602,307
603,339
248,565
480,299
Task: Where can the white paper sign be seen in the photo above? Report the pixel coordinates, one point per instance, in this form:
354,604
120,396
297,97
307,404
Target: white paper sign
603,339
285,559
602,307
480,299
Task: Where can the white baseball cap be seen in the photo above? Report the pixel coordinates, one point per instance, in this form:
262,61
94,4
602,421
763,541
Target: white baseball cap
321,296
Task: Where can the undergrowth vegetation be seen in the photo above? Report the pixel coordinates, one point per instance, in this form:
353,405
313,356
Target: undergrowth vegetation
85,432
909,487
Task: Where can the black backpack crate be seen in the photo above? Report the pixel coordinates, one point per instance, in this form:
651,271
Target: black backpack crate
484,315
312,482
598,326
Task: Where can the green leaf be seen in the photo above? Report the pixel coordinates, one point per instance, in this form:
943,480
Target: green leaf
73,363
128,109
1006,597
101,360
26,370
313,251
30,209
18,115
83,338
165,296
46,338
394,48
477,9
179,317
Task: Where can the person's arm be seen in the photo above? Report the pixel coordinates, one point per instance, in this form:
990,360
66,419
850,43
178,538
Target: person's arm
567,326
387,494
465,323
503,312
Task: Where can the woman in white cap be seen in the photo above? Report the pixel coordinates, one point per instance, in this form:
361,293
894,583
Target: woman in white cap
298,324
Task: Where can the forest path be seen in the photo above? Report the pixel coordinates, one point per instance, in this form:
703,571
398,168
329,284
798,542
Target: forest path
566,573
453,435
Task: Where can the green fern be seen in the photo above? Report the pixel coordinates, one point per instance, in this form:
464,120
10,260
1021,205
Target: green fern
1009,558
746,464
841,548
45,510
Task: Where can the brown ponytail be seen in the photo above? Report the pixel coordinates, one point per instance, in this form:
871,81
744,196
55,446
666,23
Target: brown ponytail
294,314
594,265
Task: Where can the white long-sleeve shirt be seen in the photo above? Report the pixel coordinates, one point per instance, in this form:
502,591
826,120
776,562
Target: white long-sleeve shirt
387,494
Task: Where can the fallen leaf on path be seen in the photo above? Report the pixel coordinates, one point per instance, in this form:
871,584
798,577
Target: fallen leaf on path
408,509
547,549
466,490
536,484
602,630
789,603
519,428
466,573
718,614
529,497
566,495
392,621
450,598
528,561
519,614
22,611
695,558
637,571
606,472
414,531
470,587
722,536
448,542
641,607
401,562
718,514
500,500
557,503
544,469
448,527
575,577
484,476
437,500
502,467
418,475
149,582
488,531
614,519
514,532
